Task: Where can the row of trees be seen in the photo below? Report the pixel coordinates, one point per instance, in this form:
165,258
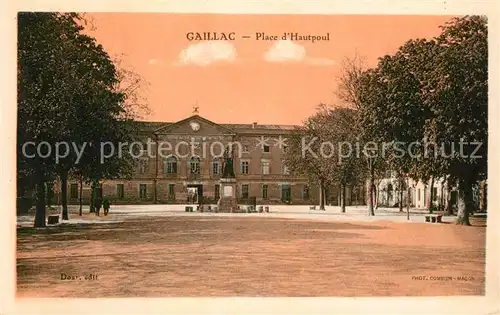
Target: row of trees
433,91
70,91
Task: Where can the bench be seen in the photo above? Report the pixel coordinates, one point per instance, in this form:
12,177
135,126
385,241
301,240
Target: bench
312,208
266,208
433,218
188,209
53,219
261,209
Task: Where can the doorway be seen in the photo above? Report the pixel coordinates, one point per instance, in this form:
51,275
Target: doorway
286,193
195,193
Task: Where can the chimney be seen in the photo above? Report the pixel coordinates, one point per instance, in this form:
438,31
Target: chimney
254,125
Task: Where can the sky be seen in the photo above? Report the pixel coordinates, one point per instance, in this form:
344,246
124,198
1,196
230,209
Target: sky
268,80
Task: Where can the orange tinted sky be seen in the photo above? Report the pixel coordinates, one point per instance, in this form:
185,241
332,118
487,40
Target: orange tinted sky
242,86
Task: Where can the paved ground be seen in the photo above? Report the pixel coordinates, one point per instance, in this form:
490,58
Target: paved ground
153,251
291,212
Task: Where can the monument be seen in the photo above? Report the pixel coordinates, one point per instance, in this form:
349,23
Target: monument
227,201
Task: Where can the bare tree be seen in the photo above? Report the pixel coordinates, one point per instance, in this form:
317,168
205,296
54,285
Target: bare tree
134,87
349,81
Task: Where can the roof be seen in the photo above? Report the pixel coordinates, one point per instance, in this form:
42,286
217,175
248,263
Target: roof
260,129
166,128
152,126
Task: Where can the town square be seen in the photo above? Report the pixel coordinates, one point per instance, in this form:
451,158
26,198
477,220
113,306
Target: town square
163,251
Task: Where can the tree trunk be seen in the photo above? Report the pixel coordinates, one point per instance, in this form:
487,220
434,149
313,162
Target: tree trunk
321,195
155,189
465,203
401,196
48,203
40,200
431,195
80,211
408,201
375,192
351,193
446,201
342,198
371,187
447,204
483,186
92,197
339,196
325,195
64,194
441,198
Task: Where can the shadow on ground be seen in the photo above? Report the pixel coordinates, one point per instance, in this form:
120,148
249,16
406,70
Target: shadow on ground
249,256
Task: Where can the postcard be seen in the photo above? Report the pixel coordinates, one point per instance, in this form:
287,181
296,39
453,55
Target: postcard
231,159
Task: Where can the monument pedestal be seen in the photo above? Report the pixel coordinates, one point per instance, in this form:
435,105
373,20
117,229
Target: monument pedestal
227,201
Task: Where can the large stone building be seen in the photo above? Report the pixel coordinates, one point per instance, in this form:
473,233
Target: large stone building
182,163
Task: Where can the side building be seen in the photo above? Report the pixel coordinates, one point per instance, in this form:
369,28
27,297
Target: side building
182,163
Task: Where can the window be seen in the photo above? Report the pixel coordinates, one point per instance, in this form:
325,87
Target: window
217,192
245,148
216,166
143,166
264,191
244,191
265,167
284,169
305,193
73,191
266,148
194,165
142,191
171,191
434,193
171,165
418,195
244,167
120,191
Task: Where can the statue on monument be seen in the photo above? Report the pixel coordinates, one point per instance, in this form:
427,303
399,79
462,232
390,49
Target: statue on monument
227,166
227,201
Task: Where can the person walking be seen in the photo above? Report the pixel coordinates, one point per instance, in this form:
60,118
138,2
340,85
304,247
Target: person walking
98,204
106,205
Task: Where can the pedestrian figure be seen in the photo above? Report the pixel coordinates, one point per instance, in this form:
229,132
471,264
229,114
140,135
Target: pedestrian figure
98,204
106,205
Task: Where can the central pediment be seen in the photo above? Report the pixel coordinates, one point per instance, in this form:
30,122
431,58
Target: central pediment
194,125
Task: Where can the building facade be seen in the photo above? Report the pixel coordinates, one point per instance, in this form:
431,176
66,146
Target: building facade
389,192
181,162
